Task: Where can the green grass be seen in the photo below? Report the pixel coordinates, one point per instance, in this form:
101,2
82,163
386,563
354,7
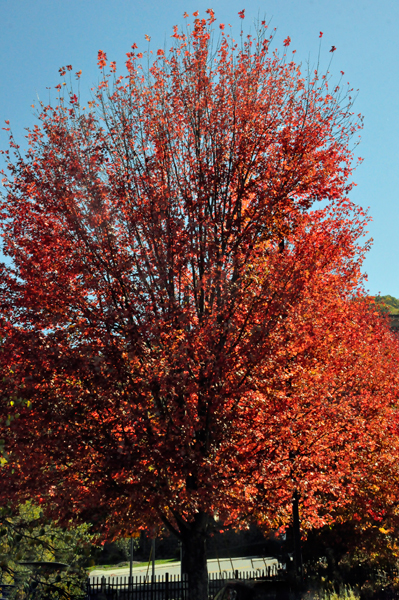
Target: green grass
126,564
345,593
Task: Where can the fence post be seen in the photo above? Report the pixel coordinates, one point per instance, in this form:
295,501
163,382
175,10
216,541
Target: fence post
166,586
236,574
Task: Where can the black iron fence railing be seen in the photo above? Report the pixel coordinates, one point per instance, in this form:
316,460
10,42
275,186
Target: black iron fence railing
165,587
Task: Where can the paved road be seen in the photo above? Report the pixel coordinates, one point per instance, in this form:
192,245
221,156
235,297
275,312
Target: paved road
224,565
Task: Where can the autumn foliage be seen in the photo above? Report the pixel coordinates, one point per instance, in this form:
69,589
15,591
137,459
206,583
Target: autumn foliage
183,338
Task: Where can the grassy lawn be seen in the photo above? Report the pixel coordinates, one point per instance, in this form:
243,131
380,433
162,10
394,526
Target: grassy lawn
135,565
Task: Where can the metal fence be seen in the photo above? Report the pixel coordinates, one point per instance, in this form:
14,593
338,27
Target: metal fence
165,587
162,587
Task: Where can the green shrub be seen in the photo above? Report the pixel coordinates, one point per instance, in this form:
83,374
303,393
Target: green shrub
38,555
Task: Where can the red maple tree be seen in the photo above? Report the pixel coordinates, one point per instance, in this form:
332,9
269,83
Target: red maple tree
163,319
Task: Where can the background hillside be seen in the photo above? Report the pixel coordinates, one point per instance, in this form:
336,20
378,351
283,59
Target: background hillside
390,303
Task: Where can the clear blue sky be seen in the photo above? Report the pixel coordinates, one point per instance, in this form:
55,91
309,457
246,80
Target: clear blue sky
40,36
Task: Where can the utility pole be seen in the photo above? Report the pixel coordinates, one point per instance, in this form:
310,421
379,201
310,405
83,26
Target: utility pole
153,558
131,560
181,559
297,538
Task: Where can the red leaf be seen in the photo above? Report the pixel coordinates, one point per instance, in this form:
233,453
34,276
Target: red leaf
102,59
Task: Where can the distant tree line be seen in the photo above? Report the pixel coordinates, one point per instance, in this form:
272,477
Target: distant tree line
388,303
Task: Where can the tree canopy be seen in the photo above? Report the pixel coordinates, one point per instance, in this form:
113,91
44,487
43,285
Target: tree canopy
184,337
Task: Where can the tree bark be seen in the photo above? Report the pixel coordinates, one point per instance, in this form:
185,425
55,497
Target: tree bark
194,563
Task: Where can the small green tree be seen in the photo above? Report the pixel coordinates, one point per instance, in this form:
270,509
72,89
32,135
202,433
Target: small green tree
41,559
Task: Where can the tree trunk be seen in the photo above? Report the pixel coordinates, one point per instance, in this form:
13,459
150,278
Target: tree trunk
194,563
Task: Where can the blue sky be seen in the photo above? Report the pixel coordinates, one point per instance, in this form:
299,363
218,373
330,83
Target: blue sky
40,36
